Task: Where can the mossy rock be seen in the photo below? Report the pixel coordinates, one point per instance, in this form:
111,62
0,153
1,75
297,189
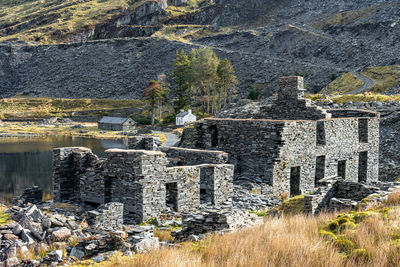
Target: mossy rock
360,254
327,235
344,245
294,205
348,225
4,218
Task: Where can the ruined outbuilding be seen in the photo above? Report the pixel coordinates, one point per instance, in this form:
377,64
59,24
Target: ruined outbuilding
146,182
292,144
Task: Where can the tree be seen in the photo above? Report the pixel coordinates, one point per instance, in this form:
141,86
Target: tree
162,80
154,93
204,66
181,76
203,75
227,81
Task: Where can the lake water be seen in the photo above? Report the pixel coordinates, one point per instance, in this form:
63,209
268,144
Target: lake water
28,161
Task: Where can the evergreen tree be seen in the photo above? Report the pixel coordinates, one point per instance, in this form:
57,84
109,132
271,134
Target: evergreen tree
203,75
204,66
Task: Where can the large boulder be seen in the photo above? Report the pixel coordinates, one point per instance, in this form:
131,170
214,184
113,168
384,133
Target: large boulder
61,235
34,213
146,244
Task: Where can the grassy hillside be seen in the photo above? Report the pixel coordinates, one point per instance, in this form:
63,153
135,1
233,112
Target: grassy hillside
36,108
51,21
346,83
55,21
383,77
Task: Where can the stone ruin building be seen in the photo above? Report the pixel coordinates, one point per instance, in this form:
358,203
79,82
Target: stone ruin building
146,182
292,145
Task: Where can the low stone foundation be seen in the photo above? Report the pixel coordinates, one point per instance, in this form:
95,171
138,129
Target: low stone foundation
108,217
216,220
186,156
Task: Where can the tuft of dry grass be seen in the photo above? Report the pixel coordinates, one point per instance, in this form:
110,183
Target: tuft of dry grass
393,198
164,235
4,217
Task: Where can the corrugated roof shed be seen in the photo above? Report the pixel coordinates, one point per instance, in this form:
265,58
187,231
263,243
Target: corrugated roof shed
113,120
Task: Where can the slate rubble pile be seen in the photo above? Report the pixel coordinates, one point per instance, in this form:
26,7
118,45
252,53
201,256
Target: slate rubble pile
43,228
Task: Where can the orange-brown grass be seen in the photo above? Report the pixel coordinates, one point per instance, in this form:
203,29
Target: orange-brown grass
285,241
164,235
296,240
393,198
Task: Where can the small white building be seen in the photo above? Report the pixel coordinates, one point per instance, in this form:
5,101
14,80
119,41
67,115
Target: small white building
184,117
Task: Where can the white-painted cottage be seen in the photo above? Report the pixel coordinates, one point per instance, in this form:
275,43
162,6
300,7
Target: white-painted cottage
184,117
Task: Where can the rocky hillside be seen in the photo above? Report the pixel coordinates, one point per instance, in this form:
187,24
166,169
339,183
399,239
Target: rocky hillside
263,38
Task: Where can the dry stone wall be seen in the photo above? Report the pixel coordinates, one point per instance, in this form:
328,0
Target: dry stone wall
108,217
140,180
184,156
216,183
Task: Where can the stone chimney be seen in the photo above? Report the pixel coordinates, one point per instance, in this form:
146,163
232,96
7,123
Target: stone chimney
189,111
290,87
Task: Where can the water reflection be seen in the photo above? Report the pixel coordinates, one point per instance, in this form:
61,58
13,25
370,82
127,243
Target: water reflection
28,161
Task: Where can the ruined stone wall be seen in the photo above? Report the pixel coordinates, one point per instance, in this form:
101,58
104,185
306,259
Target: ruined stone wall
69,165
291,104
216,220
136,180
108,217
273,151
216,183
353,190
143,142
184,156
342,150
251,144
187,181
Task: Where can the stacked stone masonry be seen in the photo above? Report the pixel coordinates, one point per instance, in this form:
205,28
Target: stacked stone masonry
291,145
140,180
108,217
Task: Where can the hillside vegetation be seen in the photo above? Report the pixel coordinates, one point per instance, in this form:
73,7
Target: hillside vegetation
55,21
384,78
344,84
52,21
36,108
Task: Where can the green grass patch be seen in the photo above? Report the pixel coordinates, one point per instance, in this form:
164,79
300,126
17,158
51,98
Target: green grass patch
344,84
